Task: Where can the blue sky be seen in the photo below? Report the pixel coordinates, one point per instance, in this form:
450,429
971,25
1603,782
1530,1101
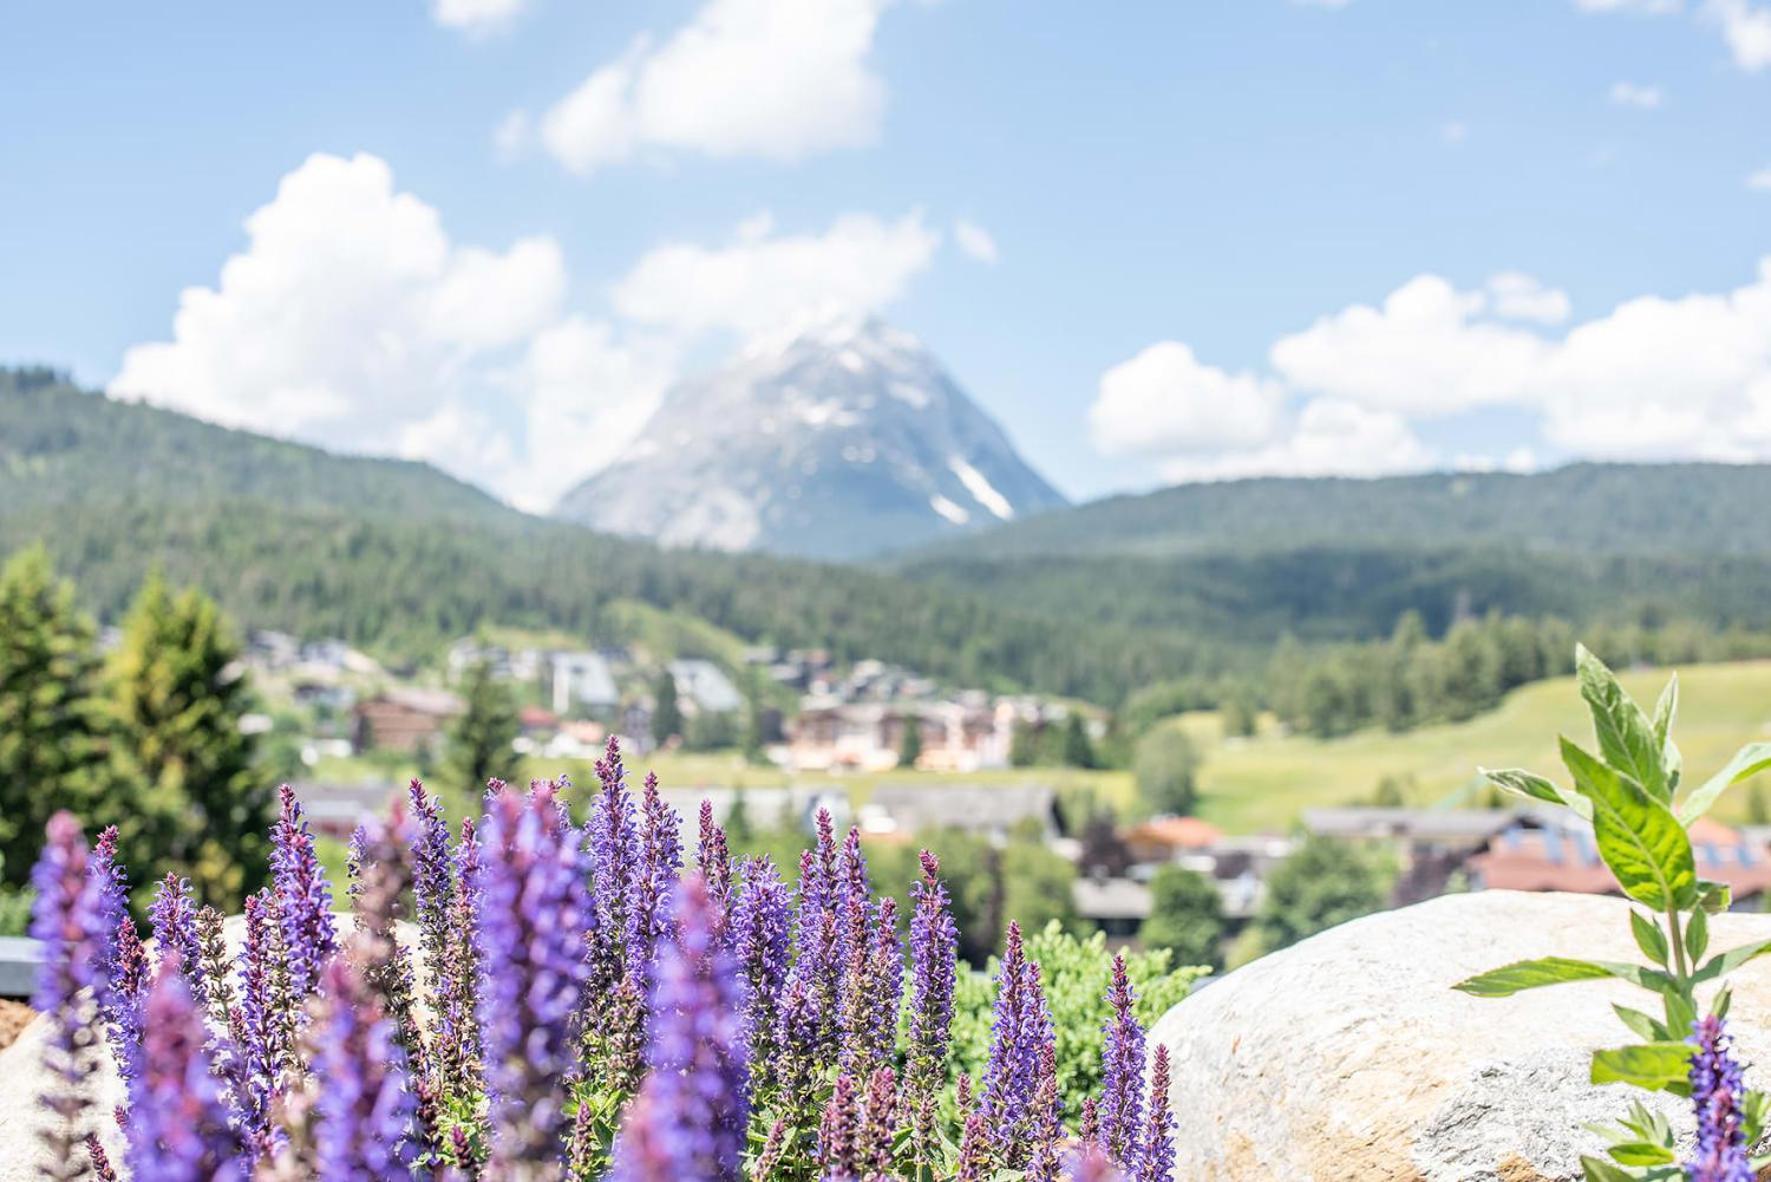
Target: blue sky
1155,239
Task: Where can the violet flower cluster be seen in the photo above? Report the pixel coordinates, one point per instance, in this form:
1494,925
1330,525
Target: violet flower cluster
519,999
1720,1154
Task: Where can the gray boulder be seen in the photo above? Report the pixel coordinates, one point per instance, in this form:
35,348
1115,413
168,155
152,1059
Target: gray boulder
1349,1056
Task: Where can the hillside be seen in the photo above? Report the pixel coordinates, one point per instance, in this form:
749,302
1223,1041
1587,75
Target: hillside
1265,782
399,558
1585,508
842,441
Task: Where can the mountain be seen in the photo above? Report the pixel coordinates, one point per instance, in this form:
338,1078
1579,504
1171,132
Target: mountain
400,558
839,442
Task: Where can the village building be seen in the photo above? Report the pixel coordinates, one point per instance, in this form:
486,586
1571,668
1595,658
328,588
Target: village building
403,719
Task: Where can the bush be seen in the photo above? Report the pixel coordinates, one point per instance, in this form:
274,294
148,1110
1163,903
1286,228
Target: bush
1186,917
1166,768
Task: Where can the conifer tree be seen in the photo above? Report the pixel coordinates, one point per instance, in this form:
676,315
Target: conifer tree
51,723
177,696
480,742
667,713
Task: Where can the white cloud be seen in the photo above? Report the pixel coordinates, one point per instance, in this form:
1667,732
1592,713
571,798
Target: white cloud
1517,296
1165,401
1760,181
780,79
475,16
1631,94
1654,378
975,241
1328,437
352,321
1746,28
762,280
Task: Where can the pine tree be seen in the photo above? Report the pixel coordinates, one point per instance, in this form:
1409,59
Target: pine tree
51,723
177,697
910,746
667,714
480,741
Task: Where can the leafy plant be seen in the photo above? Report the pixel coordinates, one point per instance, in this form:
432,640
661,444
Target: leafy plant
1632,793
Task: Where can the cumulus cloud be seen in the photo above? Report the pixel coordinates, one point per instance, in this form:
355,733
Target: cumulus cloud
1654,378
475,16
974,241
1745,25
1165,402
1631,94
762,280
1760,181
780,79
351,320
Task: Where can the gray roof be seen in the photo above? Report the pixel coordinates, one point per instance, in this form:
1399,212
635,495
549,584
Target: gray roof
1111,898
976,807
1471,825
707,685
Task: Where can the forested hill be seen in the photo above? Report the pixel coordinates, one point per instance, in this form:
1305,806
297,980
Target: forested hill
401,559
1663,509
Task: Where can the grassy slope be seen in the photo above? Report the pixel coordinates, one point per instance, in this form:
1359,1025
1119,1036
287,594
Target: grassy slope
1263,783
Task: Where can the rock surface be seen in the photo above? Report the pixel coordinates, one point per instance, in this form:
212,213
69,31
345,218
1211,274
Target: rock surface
1349,1056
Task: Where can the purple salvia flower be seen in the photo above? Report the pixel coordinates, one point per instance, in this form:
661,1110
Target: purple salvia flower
759,934
1090,1163
879,1125
458,1029
69,918
1157,1158
534,908
1720,1154
173,916
1021,1028
799,1023
304,894
178,1127
853,955
102,1168
614,854
433,882
976,1150
655,885
122,963
885,984
691,1115
839,1134
714,860
113,887
1122,1073
934,942
363,1105
266,1011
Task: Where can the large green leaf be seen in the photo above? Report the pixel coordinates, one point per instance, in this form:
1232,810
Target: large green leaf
1638,836
1750,760
1627,739
1655,1066
1665,711
1723,963
1533,786
1642,1153
1554,970
1597,1169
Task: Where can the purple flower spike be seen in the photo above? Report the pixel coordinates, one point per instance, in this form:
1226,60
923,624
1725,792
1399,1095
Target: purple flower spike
113,887
458,1028
690,1117
305,896
363,1103
1090,1163
174,919
660,858
1720,1154
178,1129
714,860
614,853
934,941
759,935
433,881
1122,1074
1157,1163
69,917
122,963
1019,1033
535,907
839,1134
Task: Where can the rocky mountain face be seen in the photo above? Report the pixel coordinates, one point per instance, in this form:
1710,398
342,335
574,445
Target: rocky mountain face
839,442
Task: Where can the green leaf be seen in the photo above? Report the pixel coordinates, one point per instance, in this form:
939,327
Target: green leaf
1697,935
1534,787
1597,1169
1724,963
1654,1065
1642,1153
1749,761
1639,838
1554,970
1643,1026
1714,897
1649,938
1665,711
1681,1013
1627,739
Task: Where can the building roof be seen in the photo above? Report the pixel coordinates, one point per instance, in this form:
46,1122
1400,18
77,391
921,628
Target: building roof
1179,833
977,807
1472,825
1111,898
1565,858
707,685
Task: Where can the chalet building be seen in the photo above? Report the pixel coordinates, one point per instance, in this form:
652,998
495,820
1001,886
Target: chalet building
965,734
1169,839
404,719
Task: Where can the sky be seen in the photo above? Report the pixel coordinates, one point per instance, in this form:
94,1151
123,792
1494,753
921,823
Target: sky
1159,241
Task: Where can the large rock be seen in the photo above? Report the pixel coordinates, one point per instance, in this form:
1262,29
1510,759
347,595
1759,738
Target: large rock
1349,1056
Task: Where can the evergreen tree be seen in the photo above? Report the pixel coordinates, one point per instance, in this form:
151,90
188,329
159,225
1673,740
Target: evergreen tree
479,746
1166,769
910,745
667,712
177,697
51,748
1079,750
1324,883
